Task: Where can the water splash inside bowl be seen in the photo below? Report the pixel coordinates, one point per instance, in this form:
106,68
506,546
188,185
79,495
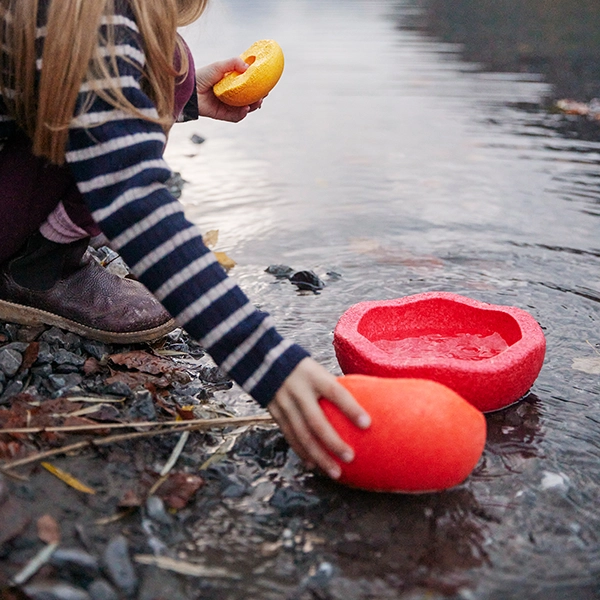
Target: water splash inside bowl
489,354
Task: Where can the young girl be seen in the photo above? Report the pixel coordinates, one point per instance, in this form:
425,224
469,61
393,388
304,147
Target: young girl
89,90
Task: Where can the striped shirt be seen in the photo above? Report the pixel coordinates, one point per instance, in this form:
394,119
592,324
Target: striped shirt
117,161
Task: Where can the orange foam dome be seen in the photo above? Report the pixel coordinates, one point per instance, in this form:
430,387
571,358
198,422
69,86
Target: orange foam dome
266,61
423,436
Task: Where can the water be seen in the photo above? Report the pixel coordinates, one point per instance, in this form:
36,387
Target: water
462,346
412,146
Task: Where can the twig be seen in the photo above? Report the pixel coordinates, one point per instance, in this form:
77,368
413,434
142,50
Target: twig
175,454
219,422
183,426
34,565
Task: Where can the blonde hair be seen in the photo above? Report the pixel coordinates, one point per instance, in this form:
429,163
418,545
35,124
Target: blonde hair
72,54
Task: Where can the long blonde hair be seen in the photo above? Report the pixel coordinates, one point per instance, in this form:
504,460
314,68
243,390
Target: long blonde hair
72,54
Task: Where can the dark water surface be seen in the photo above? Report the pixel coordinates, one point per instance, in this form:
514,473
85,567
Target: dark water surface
409,147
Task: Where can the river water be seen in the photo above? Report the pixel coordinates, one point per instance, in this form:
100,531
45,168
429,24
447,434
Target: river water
410,147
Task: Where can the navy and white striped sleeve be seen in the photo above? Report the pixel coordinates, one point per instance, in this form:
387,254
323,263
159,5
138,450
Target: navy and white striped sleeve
116,159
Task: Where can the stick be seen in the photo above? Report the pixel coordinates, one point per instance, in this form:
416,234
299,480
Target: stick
201,424
218,422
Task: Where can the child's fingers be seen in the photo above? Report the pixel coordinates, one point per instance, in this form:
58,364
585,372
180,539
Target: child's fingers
321,429
337,394
301,438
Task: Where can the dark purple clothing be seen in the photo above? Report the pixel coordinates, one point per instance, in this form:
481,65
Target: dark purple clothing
31,187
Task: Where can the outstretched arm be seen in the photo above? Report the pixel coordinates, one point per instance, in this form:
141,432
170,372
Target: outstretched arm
208,104
296,409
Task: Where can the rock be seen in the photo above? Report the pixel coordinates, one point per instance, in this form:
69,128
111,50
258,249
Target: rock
63,339
10,361
76,561
118,565
64,357
142,408
61,382
55,590
96,349
291,502
102,590
280,271
307,280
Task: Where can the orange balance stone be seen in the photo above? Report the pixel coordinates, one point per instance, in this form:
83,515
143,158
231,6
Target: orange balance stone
487,353
423,436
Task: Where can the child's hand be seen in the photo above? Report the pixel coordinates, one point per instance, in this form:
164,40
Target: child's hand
296,409
208,104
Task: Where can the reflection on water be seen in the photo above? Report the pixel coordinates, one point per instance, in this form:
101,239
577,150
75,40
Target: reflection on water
412,146
555,38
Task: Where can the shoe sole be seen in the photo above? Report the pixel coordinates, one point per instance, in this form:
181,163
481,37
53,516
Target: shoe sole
26,315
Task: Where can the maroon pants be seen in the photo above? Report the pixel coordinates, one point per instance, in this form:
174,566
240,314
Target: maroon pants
31,188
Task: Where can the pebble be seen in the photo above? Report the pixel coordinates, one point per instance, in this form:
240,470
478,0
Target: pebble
10,361
102,590
291,502
142,407
307,280
55,590
118,565
78,562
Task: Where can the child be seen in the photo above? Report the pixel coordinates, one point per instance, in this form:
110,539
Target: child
89,91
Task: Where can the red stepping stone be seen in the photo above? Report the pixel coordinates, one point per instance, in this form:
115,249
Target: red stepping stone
488,354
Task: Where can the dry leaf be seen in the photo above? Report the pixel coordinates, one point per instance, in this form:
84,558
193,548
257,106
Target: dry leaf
68,479
138,360
210,238
177,490
589,365
224,260
48,530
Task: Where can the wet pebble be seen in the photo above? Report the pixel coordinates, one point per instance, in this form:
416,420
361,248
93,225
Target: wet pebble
96,349
62,382
118,565
142,408
102,590
65,357
63,339
79,563
10,361
280,271
55,590
291,502
307,280
12,389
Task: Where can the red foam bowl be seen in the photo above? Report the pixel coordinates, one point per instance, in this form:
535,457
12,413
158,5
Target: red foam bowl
488,354
423,436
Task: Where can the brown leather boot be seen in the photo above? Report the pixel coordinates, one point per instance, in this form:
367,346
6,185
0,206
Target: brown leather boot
62,285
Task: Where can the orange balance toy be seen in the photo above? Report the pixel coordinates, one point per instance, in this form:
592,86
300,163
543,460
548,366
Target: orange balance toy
266,61
423,436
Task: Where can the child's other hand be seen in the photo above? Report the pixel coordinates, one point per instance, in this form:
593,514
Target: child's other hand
208,104
296,409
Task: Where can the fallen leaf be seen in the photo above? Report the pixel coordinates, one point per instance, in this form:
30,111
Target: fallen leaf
137,360
130,499
178,489
589,365
185,413
68,479
30,356
48,530
210,238
224,260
